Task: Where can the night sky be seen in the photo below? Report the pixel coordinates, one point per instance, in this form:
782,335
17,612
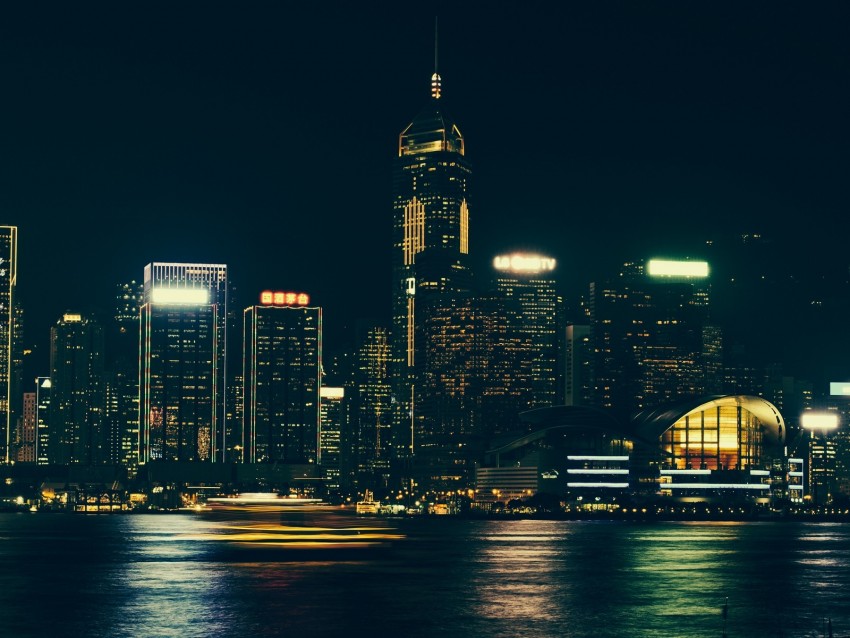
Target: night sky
262,135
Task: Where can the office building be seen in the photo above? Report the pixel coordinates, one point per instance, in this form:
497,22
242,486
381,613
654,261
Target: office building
25,439
282,359
819,428
431,273
8,334
333,412
183,344
534,318
122,383
368,441
42,417
648,335
77,400
577,361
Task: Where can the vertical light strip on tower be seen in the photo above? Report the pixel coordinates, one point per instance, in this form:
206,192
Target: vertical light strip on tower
464,228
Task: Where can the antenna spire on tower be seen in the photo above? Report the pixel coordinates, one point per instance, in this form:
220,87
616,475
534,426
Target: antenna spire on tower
436,83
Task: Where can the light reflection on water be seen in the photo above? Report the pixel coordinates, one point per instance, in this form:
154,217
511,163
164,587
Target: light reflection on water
186,576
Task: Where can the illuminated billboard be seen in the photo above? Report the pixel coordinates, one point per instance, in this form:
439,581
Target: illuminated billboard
282,298
671,268
839,388
331,392
524,263
819,420
180,296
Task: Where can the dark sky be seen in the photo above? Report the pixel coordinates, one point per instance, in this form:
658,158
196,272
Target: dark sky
262,135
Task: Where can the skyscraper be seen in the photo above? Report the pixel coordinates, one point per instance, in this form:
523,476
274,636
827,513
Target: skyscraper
648,335
122,383
430,261
533,314
8,279
26,431
332,422
282,366
367,436
183,345
42,416
77,391
577,365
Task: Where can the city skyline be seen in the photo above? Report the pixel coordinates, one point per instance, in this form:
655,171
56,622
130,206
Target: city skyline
214,144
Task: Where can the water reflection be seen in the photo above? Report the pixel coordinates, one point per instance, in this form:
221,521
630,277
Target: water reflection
238,575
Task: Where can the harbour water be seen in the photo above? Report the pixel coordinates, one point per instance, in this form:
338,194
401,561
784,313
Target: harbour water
316,574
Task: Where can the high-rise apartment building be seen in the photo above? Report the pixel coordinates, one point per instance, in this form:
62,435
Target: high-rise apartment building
282,364
76,391
182,362
430,261
8,300
648,334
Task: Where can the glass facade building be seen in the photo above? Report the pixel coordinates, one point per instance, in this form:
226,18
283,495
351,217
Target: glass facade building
282,363
77,392
183,353
534,320
333,412
649,336
430,253
368,436
8,299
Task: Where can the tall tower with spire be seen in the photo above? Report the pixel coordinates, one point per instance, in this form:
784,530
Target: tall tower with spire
431,276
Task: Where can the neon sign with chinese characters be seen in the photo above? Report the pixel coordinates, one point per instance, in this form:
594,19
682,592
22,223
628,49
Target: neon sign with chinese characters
278,298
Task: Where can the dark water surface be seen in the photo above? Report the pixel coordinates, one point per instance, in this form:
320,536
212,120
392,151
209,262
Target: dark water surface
188,575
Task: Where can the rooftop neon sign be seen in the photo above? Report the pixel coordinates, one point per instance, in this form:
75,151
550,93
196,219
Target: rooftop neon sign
282,298
186,296
524,263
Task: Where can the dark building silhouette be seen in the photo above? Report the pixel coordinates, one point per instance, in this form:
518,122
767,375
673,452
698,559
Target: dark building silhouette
77,393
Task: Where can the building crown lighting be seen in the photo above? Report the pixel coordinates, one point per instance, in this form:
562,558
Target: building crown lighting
671,268
819,420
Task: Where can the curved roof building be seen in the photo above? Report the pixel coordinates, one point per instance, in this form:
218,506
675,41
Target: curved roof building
700,449
715,432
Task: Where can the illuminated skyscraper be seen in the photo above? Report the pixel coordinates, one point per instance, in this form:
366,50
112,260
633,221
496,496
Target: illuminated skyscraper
332,422
183,344
8,279
648,335
282,366
370,410
430,260
122,384
42,415
819,429
577,356
77,391
534,318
